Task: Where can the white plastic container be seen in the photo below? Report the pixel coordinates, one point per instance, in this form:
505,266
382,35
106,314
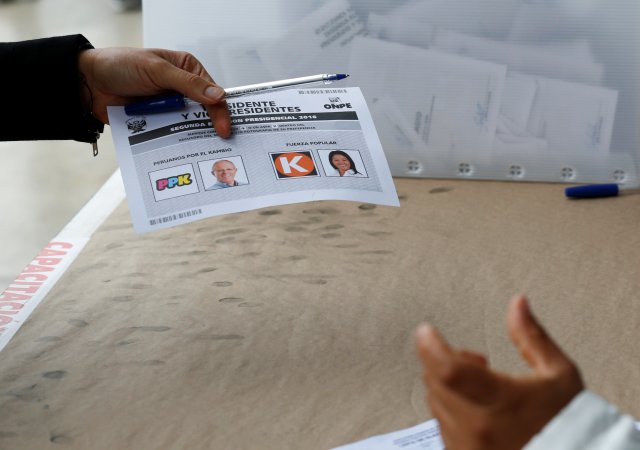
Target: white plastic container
523,90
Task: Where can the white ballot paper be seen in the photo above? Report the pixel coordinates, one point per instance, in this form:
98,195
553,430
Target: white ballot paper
452,102
288,146
328,33
425,436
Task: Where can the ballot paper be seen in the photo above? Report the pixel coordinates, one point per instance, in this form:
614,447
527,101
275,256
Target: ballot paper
425,436
573,116
408,152
518,96
400,29
489,18
328,33
571,61
452,102
288,146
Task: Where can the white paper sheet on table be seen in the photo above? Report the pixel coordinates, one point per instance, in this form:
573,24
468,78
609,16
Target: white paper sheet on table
280,149
425,436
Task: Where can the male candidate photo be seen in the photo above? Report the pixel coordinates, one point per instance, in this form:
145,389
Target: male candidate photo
225,172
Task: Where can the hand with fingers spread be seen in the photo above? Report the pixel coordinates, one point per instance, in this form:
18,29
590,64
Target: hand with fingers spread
479,408
117,76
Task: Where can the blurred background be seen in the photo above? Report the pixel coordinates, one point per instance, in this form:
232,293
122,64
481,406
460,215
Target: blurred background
45,183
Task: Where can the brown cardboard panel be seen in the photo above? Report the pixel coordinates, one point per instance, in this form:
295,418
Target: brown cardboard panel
292,327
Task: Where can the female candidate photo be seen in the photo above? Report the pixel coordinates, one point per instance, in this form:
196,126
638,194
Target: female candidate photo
343,165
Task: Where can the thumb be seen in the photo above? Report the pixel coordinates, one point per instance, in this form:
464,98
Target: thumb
532,340
190,84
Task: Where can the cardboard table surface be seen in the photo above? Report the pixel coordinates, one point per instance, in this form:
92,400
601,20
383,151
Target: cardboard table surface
292,327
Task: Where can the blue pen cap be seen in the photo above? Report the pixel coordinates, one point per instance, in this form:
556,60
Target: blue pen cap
156,105
592,191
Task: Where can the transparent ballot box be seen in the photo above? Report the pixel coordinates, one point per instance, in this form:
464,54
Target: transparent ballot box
532,90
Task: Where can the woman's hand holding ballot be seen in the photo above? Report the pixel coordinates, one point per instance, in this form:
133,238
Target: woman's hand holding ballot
117,76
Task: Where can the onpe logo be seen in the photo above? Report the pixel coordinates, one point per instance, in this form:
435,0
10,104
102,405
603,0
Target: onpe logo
337,106
294,164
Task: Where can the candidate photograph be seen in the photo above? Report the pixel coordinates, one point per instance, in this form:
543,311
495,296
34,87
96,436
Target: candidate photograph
342,163
223,173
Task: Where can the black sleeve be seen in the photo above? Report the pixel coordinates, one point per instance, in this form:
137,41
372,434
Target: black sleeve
40,91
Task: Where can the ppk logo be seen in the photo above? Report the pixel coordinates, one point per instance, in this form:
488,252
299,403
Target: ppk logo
294,164
173,182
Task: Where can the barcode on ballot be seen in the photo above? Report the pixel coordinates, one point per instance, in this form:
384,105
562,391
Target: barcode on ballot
323,91
172,217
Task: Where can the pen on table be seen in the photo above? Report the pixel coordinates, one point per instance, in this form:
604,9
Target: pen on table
179,101
597,190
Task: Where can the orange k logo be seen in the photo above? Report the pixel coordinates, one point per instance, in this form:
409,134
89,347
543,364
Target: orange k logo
294,164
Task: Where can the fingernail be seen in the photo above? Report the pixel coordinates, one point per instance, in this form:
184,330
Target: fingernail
523,304
422,332
214,92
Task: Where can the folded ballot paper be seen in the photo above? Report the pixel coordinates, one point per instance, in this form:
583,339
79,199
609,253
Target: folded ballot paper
288,146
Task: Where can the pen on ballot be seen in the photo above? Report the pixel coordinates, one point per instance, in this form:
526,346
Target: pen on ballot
179,101
596,190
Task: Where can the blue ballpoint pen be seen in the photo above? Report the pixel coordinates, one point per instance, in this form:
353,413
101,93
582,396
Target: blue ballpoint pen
596,190
179,101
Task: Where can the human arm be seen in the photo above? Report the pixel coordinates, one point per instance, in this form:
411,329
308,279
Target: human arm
40,91
479,408
48,86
